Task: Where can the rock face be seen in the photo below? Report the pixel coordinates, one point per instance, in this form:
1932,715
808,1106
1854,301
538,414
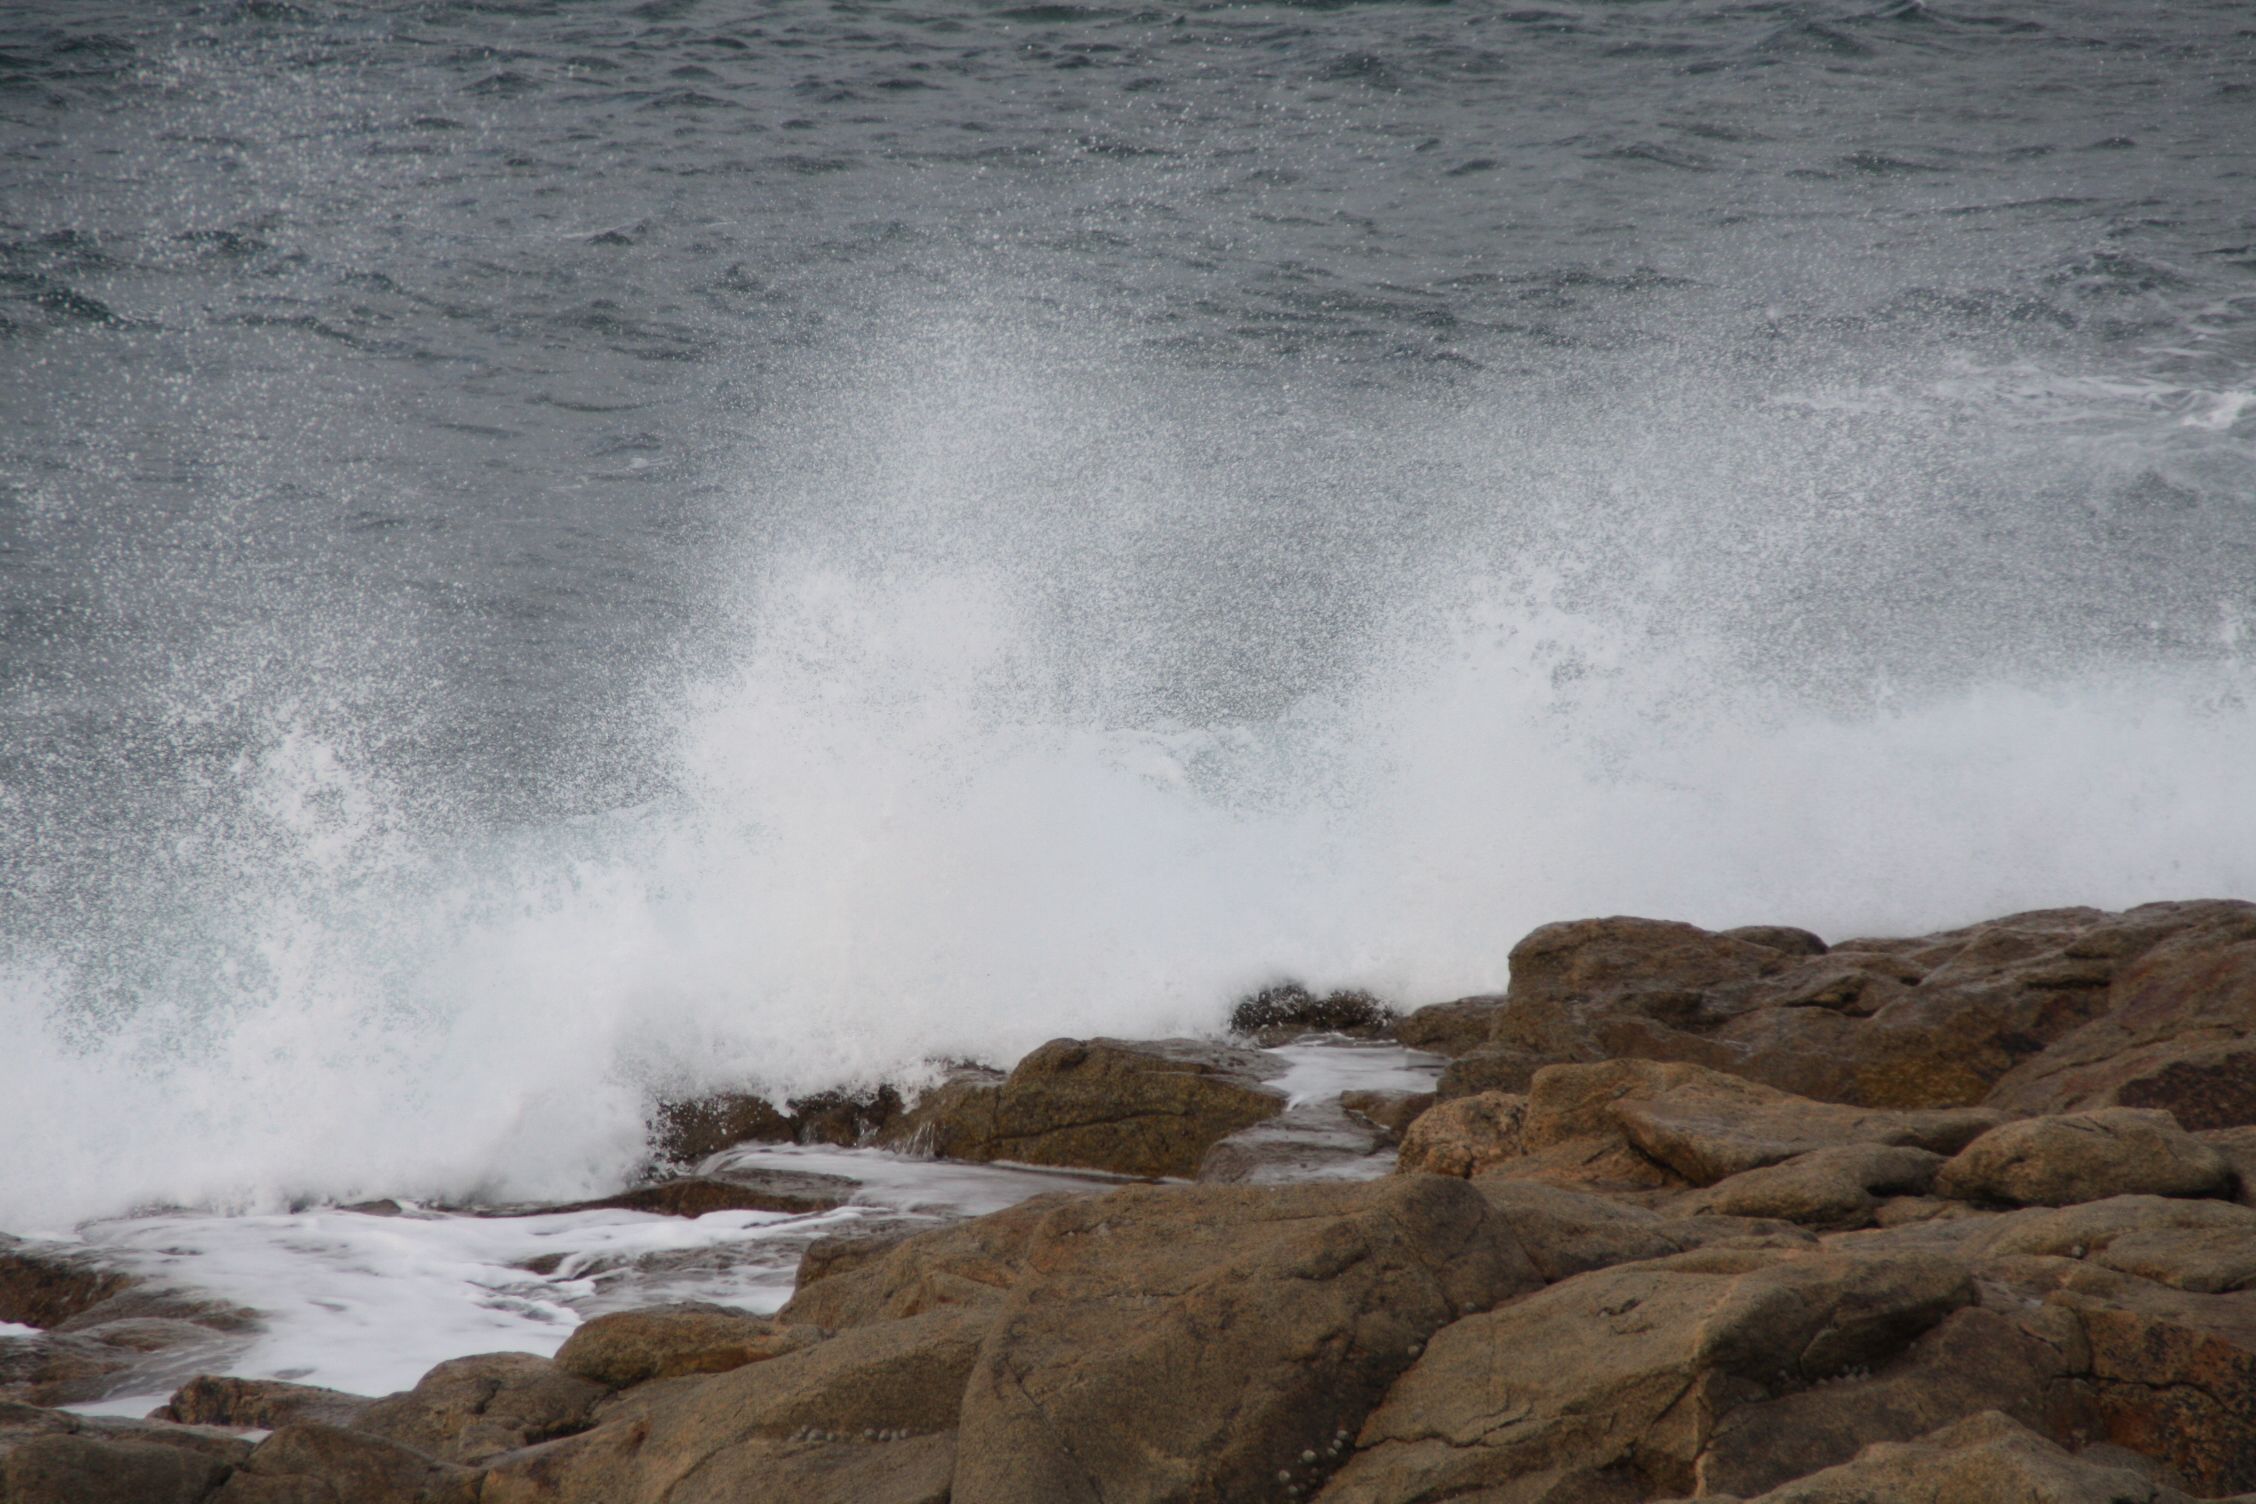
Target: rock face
1465,1136
470,1409
103,1331
1980,1460
1314,1141
1105,1104
2085,1156
49,1457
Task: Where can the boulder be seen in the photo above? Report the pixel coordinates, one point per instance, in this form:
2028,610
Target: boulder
866,1415
1453,1028
2172,1373
1833,1189
1566,1232
261,1404
1391,1111
310,1463
1465,1136
469,1409
689,1131
2085,1156
1207,1343
52,1457
853,1281
1312,1141
2179,1034
2204,1246
1492,1067
665,1342
1628,1373
1132,1108
1982,1459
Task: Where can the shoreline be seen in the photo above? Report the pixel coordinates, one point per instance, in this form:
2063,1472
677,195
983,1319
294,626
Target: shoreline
2007,1168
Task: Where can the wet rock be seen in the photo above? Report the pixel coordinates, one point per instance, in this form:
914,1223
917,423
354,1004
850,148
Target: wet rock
1833,1189
262,1404
1132,1108
853,1281
1314,1141
1285,1012
1197,1342
2088,1156
665,1342
845,1118
51,1457
965,1094
310,1463
2179,1034
1464,1137
1391,1111
866,1415
45,1284
470,1409
1982,1459
686,1132
1453,1028
794,1192
1628,1373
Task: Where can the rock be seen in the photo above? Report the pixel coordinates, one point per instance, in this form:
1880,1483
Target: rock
1932,1021
1983,1459
845,1118
1492,1067
866,1415
851,1281
1286,1011
89,1362
1202,1342
665,1342
686,1132
2238,1146
1131,1108
1451,1028
1779,937
793,1192
52,1457
1567,1232
1704,1126
1313,1141
2172,1372
1466,1136
310,1463
261,1404
469,1409
1834,1189
2204,1246
2179,1034
2086,1156
1627,1373
44,1285
1391,1111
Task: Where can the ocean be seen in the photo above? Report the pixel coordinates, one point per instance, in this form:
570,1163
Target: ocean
559,554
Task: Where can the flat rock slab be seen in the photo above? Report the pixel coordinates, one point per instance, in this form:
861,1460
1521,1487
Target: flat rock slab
793,1192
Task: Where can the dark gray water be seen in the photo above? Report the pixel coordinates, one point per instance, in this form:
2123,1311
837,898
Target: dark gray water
431,427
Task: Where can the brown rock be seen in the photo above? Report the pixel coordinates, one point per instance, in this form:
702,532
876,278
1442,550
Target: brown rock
2086,1156
52,1457
866,1415
665,1342
1313,1141
45,1285
310,1463
2238,1146
1132,1108
1566,1232
469,1409
1492,1067
2204,1246
1194,1342
1984,1459
794,1192
1288,1011
845,1118
1391,1111
1626,1373
1464,1137
2174,1374
847,1282
265,1404
1833,1189
1780,937
686,1132
1454,1028
2179,1034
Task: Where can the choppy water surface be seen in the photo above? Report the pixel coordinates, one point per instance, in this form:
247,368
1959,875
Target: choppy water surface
550,553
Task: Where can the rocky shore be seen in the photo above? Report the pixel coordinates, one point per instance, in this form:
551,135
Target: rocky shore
1739,1215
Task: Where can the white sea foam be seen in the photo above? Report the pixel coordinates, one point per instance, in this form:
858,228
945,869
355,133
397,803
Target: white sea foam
1038,699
